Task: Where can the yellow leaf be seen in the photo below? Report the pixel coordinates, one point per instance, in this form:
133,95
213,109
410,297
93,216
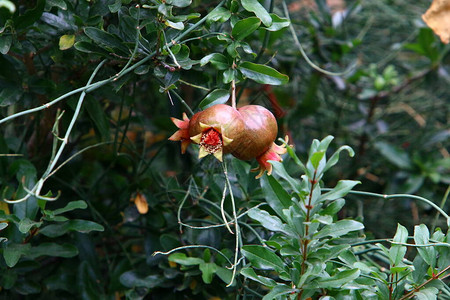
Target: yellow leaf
4,207
437,18
141,203
66,41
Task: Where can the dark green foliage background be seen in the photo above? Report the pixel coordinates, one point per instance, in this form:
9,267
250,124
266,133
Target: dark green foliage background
392,108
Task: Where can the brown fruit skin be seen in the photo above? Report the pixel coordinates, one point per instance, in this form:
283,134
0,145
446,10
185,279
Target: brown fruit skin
260,131
223,117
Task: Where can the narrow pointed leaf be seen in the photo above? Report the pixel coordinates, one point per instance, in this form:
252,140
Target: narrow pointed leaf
262,73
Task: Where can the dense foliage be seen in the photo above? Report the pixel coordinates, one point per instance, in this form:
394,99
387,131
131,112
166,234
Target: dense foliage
97,203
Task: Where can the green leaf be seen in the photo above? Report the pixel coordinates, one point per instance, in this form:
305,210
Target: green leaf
259,10
429,293
179,3
219,14
265,281
89,47
397,252
53,249
338,279
316,158
115,7
182,259
278,290
218,96
262,258
5,43
244,28
208,270
269,222
339,229
276,196
84,226
3,225
395,155
280,170
335,157
12,253
79,204
132,279
26,224
30,16
105,38
98,116
262,74
277,23
422,237
340,190
219,61
175,25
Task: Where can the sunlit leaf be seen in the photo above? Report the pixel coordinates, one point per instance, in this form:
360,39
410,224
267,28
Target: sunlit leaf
262,73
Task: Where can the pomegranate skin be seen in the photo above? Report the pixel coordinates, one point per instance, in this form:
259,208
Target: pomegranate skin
260,131
223,117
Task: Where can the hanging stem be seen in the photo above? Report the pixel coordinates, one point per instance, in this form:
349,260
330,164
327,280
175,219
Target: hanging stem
236,225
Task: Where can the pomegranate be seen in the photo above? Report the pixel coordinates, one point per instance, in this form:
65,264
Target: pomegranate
260,129
246,133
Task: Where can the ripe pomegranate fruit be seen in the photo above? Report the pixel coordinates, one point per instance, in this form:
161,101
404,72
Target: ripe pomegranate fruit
260,129
218,130
246,133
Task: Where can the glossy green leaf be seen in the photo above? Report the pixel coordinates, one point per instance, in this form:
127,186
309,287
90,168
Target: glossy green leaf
335,157
88,47
397,252
133,279
182,259
5,43
26,224
265,281
219,61
339,279
422,237
276,196
179,3
339,229
278,23
219,14
269,222
98,116
218,96
30,16
3,225
175,25
208,270
259,10
316,158
105,38
12,253
115,7
429,293
261,257
84,226
245,27
340,190
79,204
262,74
278,291
53,249
280,170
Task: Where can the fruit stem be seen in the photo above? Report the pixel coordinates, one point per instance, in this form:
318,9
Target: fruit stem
233,93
